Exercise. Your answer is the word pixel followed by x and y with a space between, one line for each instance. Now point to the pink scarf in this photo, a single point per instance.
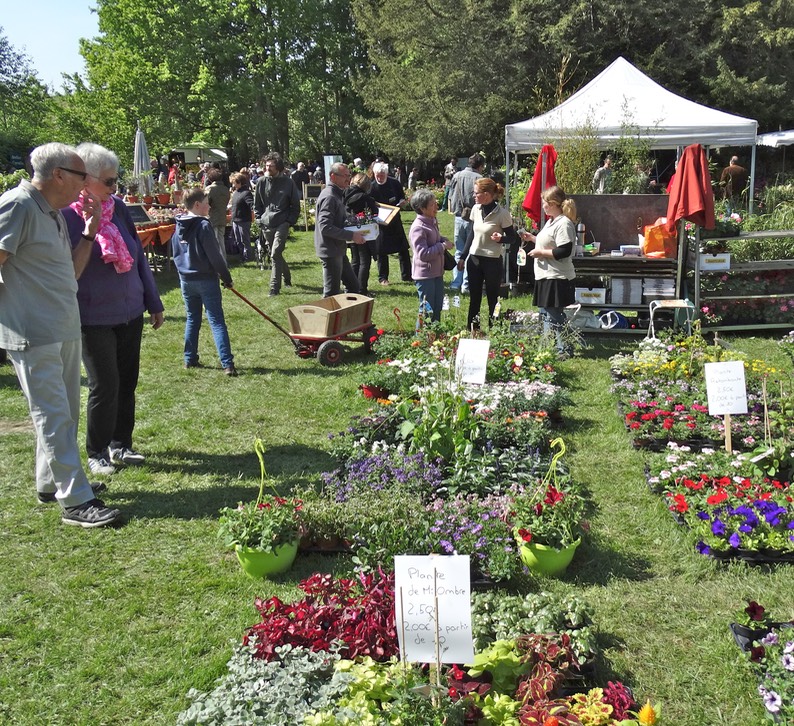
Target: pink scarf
pixel 111 243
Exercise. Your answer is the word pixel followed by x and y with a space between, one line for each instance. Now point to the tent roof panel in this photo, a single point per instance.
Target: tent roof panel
pixel 622 95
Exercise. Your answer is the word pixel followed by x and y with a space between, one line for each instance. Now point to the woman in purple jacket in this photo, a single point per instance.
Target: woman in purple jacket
pixel 114 291
pixel 428 246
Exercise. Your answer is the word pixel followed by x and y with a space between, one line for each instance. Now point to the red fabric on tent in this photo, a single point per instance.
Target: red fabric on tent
pixel 690 190
pixel 531 203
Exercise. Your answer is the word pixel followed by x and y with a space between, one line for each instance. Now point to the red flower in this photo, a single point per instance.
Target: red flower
pixel 719 496
pixel 538 509
pixel 680 505
pixel 755 611
pixel 553 495
pixel 525 534
pixel 667 424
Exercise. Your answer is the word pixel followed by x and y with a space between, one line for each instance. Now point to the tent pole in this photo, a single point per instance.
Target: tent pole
pixel 752 182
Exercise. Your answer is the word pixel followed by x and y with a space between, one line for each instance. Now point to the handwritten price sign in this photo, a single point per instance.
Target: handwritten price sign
pixel 726 388
pixel 433 608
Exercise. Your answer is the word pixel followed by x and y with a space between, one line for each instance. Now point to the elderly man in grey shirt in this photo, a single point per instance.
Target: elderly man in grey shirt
pixel 331 237
pixel 40 322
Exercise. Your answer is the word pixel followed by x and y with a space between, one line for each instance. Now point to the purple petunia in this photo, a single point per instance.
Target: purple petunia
pixel 703 548
pixel 734 540
pixel 703 515
pixel 787 661
pixel 718 528
pixel 772 702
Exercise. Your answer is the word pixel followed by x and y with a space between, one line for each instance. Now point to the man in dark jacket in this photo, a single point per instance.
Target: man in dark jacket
pixel 387 190
pixel 198 260
pixel 277 206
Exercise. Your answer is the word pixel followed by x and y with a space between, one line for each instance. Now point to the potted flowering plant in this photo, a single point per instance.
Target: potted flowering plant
pixel 547 520
pixel 263 533
pixel 774 657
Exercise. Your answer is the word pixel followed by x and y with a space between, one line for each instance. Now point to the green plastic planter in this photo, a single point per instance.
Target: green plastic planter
pixel 257 564
pixel 544 560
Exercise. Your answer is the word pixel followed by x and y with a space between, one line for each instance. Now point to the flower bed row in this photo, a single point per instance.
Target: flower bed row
pixel 330 659
pixel 446 468
pixel 662 396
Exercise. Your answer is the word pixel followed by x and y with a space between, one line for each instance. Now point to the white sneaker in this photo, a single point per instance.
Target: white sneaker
pixel 126 457
pixel 100 465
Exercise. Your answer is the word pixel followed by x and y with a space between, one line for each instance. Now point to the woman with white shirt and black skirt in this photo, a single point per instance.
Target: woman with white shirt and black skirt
pixel 493 227
pixel 554 271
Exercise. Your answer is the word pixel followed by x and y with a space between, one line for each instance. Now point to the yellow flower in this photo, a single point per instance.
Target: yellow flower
pixel 647 715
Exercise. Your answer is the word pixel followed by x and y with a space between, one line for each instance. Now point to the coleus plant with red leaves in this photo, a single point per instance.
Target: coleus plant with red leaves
pixel 354 616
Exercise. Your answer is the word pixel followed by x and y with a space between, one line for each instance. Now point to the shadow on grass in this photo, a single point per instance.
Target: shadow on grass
pixel 236 478
pixel 600 564
pixel 604 670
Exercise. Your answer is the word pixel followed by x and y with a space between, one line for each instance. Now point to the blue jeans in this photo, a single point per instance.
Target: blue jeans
pixel 555 321
pixel 432 291
pixel 464 231
pixel 207 293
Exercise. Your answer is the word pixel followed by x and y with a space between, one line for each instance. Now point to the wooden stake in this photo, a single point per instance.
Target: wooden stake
pixel 728 440
pixel 436 693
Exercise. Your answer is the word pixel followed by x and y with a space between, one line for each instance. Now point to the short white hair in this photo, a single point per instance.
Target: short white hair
pixel 45 159
pixel 380 168
pixel 97 158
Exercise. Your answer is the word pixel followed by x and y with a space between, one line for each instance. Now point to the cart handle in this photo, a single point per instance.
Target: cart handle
pixel 264 315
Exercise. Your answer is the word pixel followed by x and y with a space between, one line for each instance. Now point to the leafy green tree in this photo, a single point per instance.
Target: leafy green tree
pixel 23 100
pixel 753 65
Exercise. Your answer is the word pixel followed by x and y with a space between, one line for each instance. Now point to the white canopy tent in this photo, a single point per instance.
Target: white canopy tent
pixel 620 96
pixel 777 138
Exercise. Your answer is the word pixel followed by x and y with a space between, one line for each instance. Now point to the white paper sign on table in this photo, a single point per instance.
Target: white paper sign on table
pixel 419 583
pixel 726 388
pixel 471 361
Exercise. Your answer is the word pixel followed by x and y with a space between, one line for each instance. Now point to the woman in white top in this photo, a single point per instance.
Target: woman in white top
pixel 493 228
pixel 554 271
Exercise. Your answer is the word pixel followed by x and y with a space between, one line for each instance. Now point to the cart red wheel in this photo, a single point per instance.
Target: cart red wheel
pixel 330 353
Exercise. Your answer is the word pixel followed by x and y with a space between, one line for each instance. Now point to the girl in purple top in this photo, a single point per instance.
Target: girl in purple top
pixel 428 246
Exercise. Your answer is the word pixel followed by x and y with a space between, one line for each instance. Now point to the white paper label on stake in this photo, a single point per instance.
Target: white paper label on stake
pixel 420 584
pixel 725 387
pixel 472 360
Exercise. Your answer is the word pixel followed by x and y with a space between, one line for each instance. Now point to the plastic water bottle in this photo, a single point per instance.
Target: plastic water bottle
pixel 456 301
pixel 445 303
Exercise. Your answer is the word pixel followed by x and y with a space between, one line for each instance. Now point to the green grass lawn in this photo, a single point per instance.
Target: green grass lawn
pixel 114 626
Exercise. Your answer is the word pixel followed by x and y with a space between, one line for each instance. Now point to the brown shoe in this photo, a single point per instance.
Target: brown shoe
pixel 230 371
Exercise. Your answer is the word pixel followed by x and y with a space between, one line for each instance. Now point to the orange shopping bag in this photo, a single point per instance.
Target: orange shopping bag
pixel 658 241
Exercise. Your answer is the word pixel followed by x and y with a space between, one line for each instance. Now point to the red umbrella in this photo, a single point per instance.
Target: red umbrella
pixel 690 190
pixel 531 204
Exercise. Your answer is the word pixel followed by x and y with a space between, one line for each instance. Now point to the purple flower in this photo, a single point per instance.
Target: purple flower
pixel 703 515
pixel 703 548
pixel 772 701
pixel 718 528
pixel 788 661
pixel 789 648
pixel 734 540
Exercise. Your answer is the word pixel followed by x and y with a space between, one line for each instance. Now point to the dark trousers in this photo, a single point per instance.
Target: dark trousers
pixel 111 356
pixel 361 261
pixel 488 271
pixel 405 266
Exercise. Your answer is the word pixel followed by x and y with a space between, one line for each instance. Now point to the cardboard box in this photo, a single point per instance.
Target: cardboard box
pixel 590 295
